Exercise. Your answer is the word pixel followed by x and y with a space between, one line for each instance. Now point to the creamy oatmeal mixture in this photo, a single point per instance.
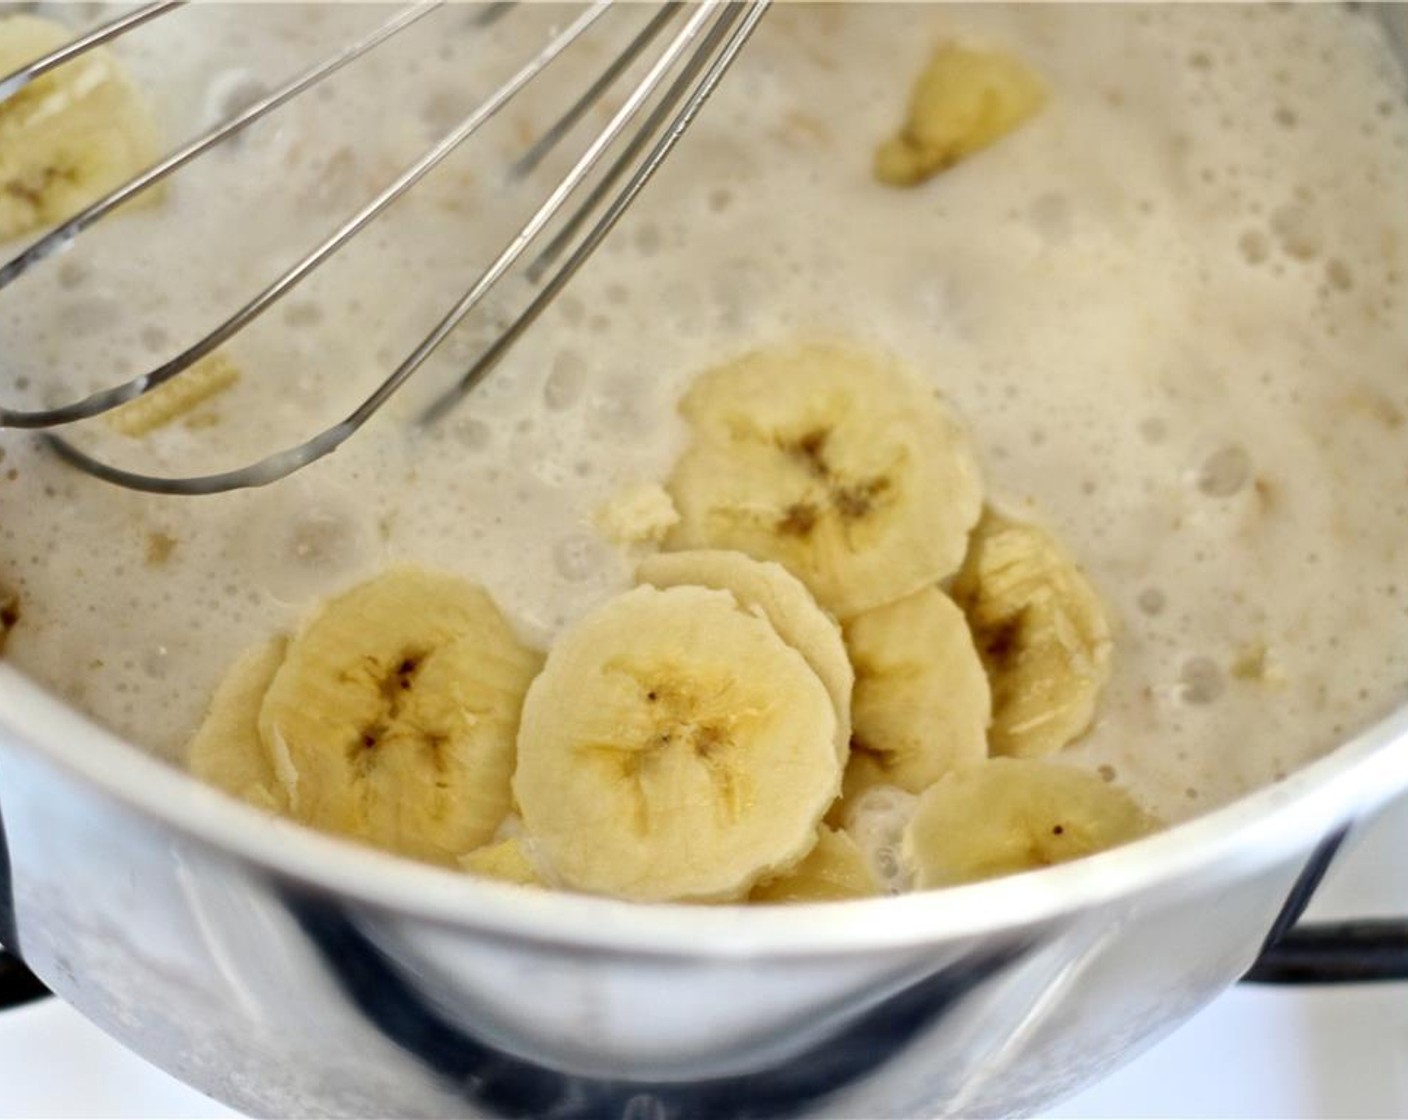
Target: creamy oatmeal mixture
pixel 1170 308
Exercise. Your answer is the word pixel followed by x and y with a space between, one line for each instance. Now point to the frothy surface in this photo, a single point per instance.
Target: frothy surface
pixel 1171 309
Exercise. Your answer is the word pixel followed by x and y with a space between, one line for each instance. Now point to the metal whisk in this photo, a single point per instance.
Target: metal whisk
pixel 706 38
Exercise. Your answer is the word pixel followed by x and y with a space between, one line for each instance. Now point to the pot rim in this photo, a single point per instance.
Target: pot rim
pixel 1267 825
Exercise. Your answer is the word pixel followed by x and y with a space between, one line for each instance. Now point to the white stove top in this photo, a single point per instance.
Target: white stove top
pixel 1255 1052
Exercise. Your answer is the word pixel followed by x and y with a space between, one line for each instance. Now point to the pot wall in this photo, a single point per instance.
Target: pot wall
pixel 277 998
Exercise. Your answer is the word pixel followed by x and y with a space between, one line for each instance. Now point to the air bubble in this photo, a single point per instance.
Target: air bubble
pixel 318 540
pixel 442 110
pixel 338 182
pixel 1153 429
pixel 97 313
pixel 233 92
pixel 649 239
pixel 1296 231
pixel 155 339
pixel 579 557
pixel 620 409
pixel 300 543
pixel 564 385
pixel 1200 681
pixel 1224 472
pixel 887 863
pixel 303 314
pixel 1254 246
pixel 1152 601
pixel 573 310
pixel 876 821
pixel 73 274
pixel 1050 216
pixel 157 662
pixel 472 434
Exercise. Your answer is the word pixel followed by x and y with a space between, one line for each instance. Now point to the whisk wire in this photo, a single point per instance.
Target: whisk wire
pixel 107 399
pixel 11 84
pixel 529 160
pixel 715 34
pixel 63 236
pixel 485 363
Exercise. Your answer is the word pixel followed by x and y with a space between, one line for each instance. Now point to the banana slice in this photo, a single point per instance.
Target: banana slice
pixel 69 137
pixel 1041 632
pixel 770 588
pixel 674 747
pixel 836 463
pixel 179 397
pixel 226 750
pixel 1011 815
pixel 964 100
pixel 505 860
pixel 392 719
pixel 922 702
pixel 835 869
pixel 640 514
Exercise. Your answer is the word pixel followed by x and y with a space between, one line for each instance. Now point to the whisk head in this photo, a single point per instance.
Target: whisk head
pixel 658 82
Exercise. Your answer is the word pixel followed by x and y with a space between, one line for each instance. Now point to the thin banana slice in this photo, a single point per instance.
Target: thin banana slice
pixel 674 747
pixel 1041 632
pixel 392 719
pixel 68 137
pixel 784 601
pixel 226 750
pixel 1011 815
pixel 835 869
pixel 964 100
pixel 505 860
pixel 922 702
pixel 834 462
pixel 177 398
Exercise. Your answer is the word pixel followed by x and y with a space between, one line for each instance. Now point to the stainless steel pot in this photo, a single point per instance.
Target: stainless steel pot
pixel 286 972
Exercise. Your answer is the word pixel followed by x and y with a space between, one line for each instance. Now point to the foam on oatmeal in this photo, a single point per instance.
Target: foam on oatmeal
pixel 1171 307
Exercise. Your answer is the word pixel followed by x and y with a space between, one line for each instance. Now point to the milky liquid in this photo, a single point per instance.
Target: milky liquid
pixel 1171 308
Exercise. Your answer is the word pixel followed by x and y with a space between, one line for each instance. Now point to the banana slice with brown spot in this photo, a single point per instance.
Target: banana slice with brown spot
pixel 784 601
pixel 1041 631
pixel 70 136
pixel 965 100
pixel 392 719
pixel 226 750
pixel 922 702
pixel 1009 815
pixel 834 462
pixel 833 870
pixel 674 747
